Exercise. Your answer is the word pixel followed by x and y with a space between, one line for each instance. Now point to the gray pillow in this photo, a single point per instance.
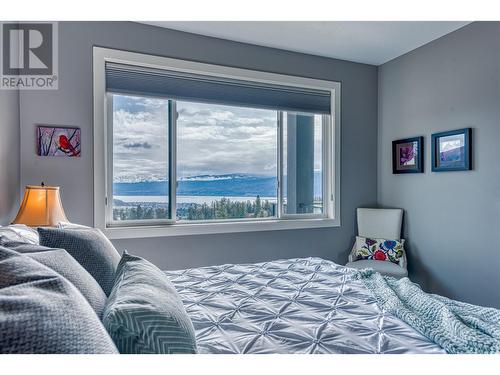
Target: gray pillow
pixel 42 312
pixel 144 314
pixel 65 265
pixel 90 248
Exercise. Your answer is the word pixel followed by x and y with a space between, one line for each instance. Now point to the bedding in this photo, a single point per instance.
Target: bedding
pixel 144 314
pixel 19 232
pixel 306 305
pixel 90 247
pixel 42 312
pixel 65 265
pixel 456 326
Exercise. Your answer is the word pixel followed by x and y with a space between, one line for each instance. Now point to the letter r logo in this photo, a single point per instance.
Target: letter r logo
pixel 27 49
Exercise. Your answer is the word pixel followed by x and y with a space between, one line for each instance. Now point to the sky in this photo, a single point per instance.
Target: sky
pixel 140 139
pixel 451 142
pixel 215 139
pixel 211 139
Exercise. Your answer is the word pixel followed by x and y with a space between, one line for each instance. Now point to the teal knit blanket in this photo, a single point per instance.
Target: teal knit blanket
pixel 457 327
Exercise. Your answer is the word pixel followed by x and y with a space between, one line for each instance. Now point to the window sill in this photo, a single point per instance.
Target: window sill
pixel 216 228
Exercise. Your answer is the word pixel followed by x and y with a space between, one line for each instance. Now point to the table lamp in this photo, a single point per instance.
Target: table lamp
pixel 41 207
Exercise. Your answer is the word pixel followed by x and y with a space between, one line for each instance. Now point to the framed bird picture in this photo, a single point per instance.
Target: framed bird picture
pixel 58 141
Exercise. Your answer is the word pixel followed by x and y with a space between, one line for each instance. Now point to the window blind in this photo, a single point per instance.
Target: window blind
pixel 135 80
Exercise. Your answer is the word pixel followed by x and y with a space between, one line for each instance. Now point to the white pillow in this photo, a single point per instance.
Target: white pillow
pixel 20 233
pixel 68 225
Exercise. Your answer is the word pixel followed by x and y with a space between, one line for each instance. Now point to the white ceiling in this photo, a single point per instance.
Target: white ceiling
pixel 370 42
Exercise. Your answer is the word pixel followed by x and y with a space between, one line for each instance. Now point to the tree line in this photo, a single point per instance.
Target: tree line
pixel 224 208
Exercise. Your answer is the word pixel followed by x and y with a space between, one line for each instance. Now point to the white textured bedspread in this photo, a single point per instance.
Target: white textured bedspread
pixel 290 306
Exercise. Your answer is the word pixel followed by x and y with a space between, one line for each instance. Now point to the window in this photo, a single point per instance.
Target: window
pixel 189 144
pixel 140 158
pixel 226 162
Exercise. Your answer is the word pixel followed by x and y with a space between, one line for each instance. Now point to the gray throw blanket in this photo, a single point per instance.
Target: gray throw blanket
pixel 457 327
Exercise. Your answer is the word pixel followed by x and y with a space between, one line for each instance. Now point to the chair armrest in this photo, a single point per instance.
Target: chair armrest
pixel 403 261
pixel 352 254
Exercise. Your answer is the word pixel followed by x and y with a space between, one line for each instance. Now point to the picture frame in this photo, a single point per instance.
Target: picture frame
pixel 408 155
pixel 452 150
pixel 58 141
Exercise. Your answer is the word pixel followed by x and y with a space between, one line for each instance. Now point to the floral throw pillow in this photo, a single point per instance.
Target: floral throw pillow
pixel 379 249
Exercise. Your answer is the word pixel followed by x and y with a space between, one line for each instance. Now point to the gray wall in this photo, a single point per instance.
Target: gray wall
pixel 72 105
pixel 452 219
pixel 9 155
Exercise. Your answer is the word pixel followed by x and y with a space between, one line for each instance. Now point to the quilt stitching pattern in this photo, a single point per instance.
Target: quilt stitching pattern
pixel 308 305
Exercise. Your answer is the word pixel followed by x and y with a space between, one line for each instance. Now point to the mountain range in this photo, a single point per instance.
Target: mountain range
pixel 229 185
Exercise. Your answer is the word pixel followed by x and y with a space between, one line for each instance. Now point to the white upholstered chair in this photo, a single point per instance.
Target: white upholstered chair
pixel 380 223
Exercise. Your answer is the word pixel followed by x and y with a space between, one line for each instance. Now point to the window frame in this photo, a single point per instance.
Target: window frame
pixel 326 164
pixel 103 154
pixel 109 171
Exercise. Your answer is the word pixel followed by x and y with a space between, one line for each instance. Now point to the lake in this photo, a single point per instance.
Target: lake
pixel 199 199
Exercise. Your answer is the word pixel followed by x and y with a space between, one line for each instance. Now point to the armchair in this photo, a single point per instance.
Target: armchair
pixel 380 223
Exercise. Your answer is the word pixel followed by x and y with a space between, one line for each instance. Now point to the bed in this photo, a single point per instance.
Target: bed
pixel 308 305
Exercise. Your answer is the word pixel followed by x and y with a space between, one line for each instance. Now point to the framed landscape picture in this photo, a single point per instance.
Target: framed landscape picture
pixel 451 150
pixel 407 155
pixel 58 141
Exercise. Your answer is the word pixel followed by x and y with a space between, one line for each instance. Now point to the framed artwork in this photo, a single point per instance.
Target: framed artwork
pixel 58 141
pixel 407 155
pixel 451 150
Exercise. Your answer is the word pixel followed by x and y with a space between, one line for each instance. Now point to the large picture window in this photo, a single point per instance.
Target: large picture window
pixel 186 146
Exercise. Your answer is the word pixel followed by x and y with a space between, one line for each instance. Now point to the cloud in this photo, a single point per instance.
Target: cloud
pixel 140 139
pixel 138 145
pixel 217 139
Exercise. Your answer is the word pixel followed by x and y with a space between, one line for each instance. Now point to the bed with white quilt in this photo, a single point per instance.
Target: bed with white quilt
pixel 306 305
pixel 126 304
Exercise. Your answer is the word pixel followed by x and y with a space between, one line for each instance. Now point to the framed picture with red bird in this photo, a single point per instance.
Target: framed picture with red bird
pixel 58 141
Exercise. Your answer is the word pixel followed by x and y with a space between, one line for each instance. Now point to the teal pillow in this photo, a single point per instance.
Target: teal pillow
pixel 144 314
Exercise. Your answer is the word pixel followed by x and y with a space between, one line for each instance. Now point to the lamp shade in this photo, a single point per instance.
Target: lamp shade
pixel 41 207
